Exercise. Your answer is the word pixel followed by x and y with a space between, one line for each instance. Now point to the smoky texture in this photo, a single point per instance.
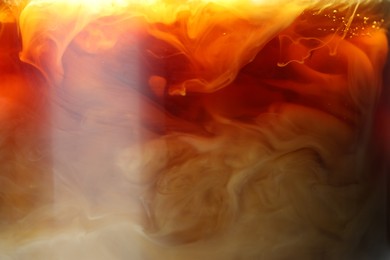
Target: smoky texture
pixel 214 130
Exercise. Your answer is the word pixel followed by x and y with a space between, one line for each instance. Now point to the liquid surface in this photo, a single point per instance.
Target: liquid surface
pixel 203 130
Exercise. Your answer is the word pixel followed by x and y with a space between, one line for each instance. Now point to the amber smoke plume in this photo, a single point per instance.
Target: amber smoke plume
pixel 220 129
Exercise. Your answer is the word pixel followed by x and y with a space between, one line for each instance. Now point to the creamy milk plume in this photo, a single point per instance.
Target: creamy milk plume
pixel 219 129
